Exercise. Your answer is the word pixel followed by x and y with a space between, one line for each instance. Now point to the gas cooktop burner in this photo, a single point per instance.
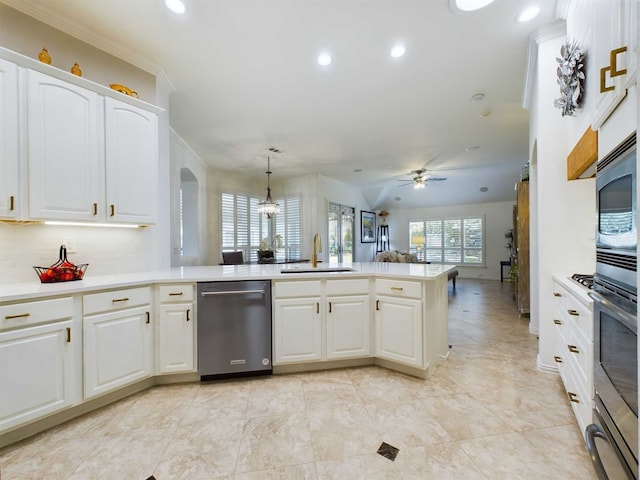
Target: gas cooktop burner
pixel 586 280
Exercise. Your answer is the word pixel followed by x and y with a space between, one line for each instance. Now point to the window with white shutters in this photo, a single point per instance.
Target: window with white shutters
pixel 458 241
pixel 243 228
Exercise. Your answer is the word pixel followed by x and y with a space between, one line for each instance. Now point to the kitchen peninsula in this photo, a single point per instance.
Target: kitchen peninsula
pixel 88 343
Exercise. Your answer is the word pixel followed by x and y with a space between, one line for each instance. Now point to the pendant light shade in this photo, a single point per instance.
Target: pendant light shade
pixel 268 207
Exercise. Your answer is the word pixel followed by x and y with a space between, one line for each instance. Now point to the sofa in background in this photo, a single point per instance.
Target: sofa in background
pixel 395 256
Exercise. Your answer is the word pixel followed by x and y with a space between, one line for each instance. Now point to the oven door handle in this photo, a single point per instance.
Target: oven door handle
pixel 629 320
pixel 591 432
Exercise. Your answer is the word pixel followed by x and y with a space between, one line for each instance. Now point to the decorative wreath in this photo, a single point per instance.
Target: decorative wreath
pixel 570 78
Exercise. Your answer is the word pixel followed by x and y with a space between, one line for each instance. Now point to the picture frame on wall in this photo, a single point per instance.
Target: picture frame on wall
pixel 367 227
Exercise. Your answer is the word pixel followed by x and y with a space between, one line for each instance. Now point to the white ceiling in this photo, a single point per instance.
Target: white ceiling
pixel 247 79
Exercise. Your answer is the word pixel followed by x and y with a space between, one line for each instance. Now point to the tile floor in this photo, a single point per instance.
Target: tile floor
pixel 485 413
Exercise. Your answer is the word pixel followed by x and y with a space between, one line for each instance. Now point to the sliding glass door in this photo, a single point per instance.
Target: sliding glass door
pixel 341 228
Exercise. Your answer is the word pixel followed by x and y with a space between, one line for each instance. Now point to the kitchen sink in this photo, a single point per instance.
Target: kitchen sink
pixel 317 270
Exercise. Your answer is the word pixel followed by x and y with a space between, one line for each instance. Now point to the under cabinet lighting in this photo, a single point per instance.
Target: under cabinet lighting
pixel 87 224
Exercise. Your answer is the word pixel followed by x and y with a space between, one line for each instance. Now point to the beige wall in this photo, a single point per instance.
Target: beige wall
pixel 25 35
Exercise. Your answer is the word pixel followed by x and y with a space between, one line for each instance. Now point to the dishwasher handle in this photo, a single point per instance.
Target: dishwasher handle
pixel 232 292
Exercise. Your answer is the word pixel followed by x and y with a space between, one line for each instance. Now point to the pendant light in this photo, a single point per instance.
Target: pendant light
pixel 268 207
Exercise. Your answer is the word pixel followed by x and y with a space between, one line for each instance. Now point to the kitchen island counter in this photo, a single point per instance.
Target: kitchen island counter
pixel 35 289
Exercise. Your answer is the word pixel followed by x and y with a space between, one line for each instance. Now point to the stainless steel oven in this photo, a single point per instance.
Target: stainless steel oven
pixel 613 437
pixel 616 233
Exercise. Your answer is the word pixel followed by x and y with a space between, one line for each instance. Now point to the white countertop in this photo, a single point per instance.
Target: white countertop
pixel 578 290
pixel 29 290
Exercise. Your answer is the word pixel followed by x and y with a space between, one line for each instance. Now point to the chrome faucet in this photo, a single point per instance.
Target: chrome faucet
pixel 317 247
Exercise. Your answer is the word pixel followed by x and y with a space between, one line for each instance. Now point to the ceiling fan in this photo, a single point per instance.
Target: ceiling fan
pixel 420 178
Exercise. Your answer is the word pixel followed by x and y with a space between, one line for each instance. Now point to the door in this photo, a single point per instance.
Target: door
pixel 297 330
pixel 36 372
pixel 66 163
pixel 399 330
pixel 341 228
pixel 117 350
pixel 131 151
pixel 9 143
pixel 175 336
pixel 348 326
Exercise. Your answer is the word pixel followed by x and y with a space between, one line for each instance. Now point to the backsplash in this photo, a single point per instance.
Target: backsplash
pixel 106 250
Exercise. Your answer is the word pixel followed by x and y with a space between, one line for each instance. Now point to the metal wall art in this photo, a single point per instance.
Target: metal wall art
pixel 570 78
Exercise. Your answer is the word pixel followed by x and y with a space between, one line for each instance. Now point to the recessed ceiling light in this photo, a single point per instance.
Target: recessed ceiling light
pixel 484 189
pixel 471 5
pixel 472 148
pixel 357 170
pixel 176 6
pixel 397 51
pixel 324 59
pixel 528 13
pixel 397 199
pixel 485 113
pixel 478 97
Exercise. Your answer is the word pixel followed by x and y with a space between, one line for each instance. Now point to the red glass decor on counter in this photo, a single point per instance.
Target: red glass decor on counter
pixel 62 270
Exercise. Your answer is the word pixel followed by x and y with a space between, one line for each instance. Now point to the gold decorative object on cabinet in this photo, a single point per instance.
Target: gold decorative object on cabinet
pixel 76 70
pixel 124 89
pixel 44 56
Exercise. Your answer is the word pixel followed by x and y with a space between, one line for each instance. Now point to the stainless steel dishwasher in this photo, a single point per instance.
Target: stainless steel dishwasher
pixel 234 328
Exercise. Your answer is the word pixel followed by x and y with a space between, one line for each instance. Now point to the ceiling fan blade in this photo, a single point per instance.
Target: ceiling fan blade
pixel 405 184
pixel 435 179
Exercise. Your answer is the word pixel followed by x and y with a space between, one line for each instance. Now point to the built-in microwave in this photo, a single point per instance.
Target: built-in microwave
pixel 616 232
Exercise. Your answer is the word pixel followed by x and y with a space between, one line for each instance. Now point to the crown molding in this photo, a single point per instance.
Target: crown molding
pixel 541 35
pixel 55 20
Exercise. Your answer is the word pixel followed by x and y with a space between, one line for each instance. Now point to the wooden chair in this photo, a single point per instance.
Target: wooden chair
pixel 232 258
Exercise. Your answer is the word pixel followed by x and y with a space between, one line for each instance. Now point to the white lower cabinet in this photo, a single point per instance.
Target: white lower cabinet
pixel 37 360
pixel 297 332
pixel 399 330
pixel 573 352
pixel 117 339
pixel 348 332
pixel 317 320
pixel 175 333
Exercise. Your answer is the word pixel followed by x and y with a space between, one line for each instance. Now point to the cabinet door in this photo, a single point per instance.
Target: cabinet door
pixel 615 27
pixel 9 140
pixel 66 165
pixel 175 338
pixel 131 162
pixel 348 326
pixel 117 350
pixel 297 335
pixel 36 372
pixel 399 330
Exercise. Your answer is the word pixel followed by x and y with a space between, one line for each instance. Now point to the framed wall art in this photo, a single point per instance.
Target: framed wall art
pixel 367 226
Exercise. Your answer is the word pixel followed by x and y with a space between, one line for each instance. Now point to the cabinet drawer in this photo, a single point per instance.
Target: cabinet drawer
pixel 310 288
pixel 175 293
pixel 31 313
pixel 351 286
pixel 399 288
pixel 116 300
pixel 581 353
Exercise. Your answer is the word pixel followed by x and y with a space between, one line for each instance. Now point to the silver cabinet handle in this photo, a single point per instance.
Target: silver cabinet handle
pixel 231 292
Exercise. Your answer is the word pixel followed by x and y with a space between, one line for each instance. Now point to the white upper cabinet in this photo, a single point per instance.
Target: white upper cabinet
pixel 9 145
pixel 66 166
pixel 615 54
pixel 131 149
pixel 71 150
